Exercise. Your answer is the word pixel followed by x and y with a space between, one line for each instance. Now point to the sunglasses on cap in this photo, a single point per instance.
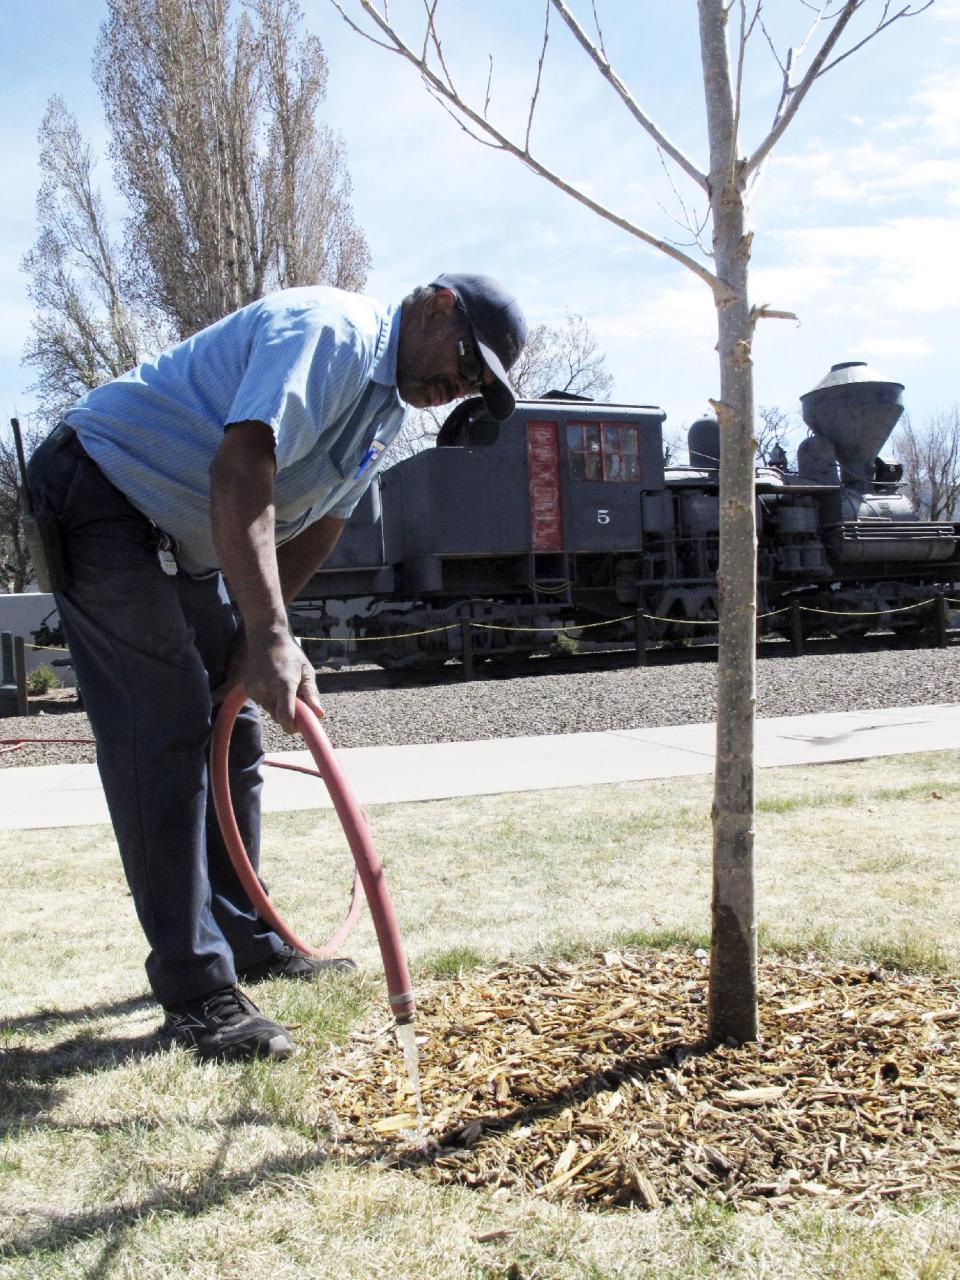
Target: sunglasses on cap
pixel 469 361
pixel 469 364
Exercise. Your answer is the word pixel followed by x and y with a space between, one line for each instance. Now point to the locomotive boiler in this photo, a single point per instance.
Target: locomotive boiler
pixel 566 518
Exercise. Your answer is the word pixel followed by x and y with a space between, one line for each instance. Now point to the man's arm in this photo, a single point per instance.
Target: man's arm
pixel 274 669
pixel 302 556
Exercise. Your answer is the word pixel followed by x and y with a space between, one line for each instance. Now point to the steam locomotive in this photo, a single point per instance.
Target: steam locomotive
pixel 566 518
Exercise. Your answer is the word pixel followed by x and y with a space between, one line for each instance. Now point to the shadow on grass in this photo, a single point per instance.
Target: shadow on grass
pixel 47 1019
pixel 633 1067
pixel 210 1188
pixel 30 1078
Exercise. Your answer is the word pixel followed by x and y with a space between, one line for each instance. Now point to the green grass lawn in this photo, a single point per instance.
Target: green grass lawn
pixel 119 1160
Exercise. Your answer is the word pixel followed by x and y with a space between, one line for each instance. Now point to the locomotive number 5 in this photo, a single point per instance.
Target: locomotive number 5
pixel 603 516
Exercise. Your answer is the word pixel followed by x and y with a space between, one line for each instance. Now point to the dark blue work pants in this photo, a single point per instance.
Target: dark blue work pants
pixel 147 649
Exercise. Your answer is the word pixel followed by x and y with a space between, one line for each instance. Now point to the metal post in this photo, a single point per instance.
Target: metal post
pixel 640 637
pixel 796 628
pixel 13 675
pixel 942 620
pixel 466 642
pixel 20 674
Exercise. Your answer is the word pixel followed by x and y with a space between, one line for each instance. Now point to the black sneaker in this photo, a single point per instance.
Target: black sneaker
pixel 225 1024
pixel 289 963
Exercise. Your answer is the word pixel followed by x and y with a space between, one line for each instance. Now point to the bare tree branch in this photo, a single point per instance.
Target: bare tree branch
pixel 793 95
pixel 361 31
pixel 431 10
pixel 536 87
pixel 746 29
pixel 502 142
pixel 768 313
pixel 908 11
pixel 605 69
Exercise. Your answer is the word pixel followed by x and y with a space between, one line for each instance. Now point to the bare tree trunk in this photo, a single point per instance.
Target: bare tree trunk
pixel 733 955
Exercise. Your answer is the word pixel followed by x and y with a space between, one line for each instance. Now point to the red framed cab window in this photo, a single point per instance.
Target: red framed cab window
pixel 600 452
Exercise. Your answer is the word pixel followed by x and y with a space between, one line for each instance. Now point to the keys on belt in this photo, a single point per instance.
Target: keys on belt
pixel 166 553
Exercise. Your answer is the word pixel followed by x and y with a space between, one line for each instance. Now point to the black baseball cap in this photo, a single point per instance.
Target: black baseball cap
pixel 498 328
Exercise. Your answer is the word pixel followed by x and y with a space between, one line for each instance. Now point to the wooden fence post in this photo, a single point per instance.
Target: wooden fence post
pixel 640 638
pixel 796 628
pixel 466 642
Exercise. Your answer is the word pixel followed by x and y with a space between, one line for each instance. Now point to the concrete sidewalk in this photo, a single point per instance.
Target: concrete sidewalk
pixel 70 795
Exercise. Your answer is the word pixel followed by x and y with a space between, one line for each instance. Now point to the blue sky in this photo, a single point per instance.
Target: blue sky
pixel 855 219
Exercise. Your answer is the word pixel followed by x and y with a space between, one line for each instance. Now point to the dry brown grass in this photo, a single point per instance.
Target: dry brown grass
pixel 118 1160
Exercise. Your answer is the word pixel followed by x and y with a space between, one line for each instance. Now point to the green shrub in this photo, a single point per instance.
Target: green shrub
pixel 41 680
pixel 566 644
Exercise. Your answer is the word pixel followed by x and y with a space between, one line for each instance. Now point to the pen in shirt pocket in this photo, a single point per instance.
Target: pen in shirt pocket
pixel 374 452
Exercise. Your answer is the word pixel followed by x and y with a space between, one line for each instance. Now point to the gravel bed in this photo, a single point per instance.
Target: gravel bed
pixel 370 708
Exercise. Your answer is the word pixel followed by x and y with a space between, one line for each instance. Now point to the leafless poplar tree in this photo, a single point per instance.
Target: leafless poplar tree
pixel 233 187
pixel 931 464
pixel 85 330
pixel 724 267
pixel 16 571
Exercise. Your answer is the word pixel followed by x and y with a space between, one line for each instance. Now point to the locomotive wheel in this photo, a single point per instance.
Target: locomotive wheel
pixel 855 632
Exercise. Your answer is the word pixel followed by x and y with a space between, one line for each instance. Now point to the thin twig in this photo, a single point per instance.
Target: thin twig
pixel 428 29
pixel 688 222
pixel 381 44
pixel 738 91
pixel 432 31
pixel 596 23
pixel 536 87
pixel 484 142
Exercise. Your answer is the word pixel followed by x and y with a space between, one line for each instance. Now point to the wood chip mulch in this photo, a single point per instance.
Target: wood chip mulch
pixel 590 1083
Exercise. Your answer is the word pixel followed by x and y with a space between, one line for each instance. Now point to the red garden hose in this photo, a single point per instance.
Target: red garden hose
pixel 355 826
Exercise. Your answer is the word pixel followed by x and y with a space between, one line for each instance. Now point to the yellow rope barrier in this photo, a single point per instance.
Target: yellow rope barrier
pixel 587 626
pixel 391 635
pixel 863 613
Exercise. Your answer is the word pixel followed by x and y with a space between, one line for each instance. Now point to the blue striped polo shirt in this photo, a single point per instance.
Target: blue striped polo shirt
pixel 318 365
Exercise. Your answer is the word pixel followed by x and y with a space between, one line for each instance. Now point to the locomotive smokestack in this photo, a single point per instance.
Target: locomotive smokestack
pixel 855 408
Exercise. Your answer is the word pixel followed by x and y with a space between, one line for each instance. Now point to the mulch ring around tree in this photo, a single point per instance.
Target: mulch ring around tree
pixel 591 1083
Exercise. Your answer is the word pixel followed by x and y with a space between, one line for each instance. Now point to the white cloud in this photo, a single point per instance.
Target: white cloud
pixel 939 100
pixel 901 347
pixel 670 313
pixel 866 173
pixel 905 265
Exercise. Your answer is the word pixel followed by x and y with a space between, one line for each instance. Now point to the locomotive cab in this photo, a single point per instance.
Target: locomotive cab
pixel 498 506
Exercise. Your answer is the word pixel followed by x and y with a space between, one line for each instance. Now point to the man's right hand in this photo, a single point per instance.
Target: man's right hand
pixel 274 672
